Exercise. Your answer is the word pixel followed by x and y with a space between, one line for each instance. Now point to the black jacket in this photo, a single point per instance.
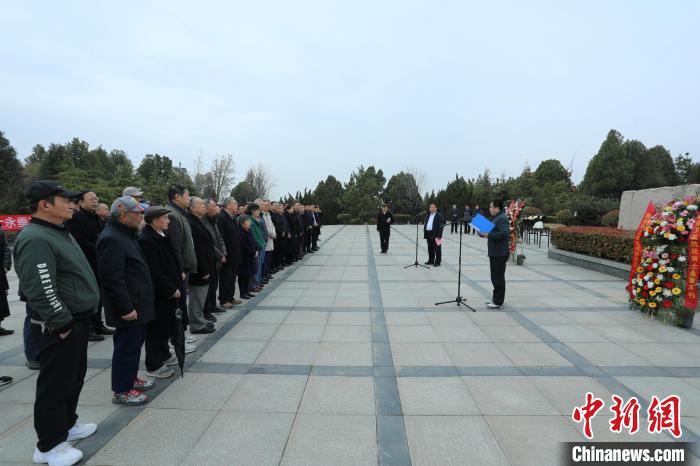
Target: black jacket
pixel 248 250
pixel 165 271
pixel 384 220
pixel 85 228
pixel 228 226
pixel 499 236
pixel 454 213
pixel 125 278
pixel 438 225
pixel 203 250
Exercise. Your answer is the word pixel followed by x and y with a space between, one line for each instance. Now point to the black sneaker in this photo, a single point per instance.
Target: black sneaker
pixel 209 317
pixel 218 310
pixel 4 380
pixel 5 332
pixel 33 364
pixel 202 331
pixel 95 337
pixel 103 330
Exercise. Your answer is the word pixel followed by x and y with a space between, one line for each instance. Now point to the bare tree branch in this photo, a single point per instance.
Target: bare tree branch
pixel 261 180
pixel 222 173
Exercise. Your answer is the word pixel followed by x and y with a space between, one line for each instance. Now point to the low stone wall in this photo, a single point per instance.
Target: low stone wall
pixel 634 203
pixel 615 269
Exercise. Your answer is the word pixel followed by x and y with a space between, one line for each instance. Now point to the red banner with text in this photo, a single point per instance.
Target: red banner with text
pixel 691 279
pixel 637 253
pixel 14 222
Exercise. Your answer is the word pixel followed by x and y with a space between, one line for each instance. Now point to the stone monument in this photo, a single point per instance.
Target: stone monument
pixel 633 203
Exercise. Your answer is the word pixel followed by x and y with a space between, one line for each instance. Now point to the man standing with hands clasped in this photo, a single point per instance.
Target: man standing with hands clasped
pixel 128 296
pixel 498 251
pixel 62 292
pixel 384 221
pixel 432 232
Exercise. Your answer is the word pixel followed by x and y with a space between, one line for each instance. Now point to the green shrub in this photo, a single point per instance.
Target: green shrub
pixel 367 215
pixel 563 216
pixel 355 221
pixel 344 218
pixel 529 211
pixel 609 243
pixel 401 219
pixel 610 219
pixel 588 210
pixel 372 221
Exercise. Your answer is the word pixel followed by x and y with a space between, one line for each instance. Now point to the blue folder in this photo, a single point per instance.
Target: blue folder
pixel 482 224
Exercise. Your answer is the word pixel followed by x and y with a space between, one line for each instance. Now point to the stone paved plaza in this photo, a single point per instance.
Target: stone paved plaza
pixel 345 359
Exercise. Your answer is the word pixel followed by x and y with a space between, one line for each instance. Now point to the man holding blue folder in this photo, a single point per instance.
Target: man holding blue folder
pixel 498 235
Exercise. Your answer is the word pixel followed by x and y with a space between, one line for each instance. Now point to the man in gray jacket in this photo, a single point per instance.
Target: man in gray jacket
pixel 498 251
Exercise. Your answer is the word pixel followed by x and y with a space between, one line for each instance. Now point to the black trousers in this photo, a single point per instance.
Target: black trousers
pixel 158 332
pixel 434 251
pixel 308 240
pixel 454 227
pixel 314 236
pixel 227 283
pixel 243 285
pixel 498 278
pixel 384 239
pixel 63 363
pixel 96 320
pixel 125 358
pixel 210 303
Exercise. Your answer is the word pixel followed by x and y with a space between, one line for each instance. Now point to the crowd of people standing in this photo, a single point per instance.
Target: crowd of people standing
pixel 139 264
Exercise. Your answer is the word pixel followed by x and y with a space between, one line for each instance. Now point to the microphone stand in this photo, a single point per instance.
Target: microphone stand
pixel 459 299
pixel 416 264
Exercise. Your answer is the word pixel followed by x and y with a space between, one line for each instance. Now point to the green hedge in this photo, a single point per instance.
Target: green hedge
pixel 401 219
pixel 344 218
pixel 611 218
pixel 372 221
pixel 607 243
pixel 355 221
pixel 529 211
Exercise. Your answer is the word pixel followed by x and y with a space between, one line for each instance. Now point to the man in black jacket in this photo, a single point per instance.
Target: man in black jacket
pixel 127 293
pixel 211 223
pixel 230 231
pixel 498 251
pixel 167 280
pixel 384 220
pixel 454 217
pixel 432 232
pixel 467 218
pixel 206 261
pixel 85 226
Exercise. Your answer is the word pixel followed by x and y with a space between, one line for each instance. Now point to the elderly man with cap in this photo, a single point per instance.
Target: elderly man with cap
pixel 168 283
pixel 85 226
pixel 127 294
pixel 134 192
pixel 61 290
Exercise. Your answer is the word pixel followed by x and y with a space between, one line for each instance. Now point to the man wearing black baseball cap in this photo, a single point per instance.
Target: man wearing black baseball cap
pixel 62 291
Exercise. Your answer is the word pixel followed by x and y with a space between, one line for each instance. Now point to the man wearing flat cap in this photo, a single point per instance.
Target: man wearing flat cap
pixel 169 290
pixel 62 292
pixel 134 192
pixel 127 295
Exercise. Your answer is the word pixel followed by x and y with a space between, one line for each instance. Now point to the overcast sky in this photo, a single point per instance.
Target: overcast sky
pixel 318 88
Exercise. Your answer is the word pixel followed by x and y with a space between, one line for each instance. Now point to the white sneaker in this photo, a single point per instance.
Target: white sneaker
pixel 171 362
pixel 190 348
pixel 190 339
pixel 493 306
pixel 62 454
pixel 163 372
pixel 80 431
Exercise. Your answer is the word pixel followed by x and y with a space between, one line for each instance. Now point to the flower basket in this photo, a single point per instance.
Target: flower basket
pixel 665 262
pixel 515 219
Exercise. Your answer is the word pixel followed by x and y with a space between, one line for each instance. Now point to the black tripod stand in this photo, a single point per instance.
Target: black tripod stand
pixel 416 264
pixel 459 299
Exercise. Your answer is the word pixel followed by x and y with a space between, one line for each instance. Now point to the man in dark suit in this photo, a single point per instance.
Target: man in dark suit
pixel 498 251
pixel 384 220
pixel 454 218
pixel 230 231
pixel 85 226
pixel 432 231
pixel 467 218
